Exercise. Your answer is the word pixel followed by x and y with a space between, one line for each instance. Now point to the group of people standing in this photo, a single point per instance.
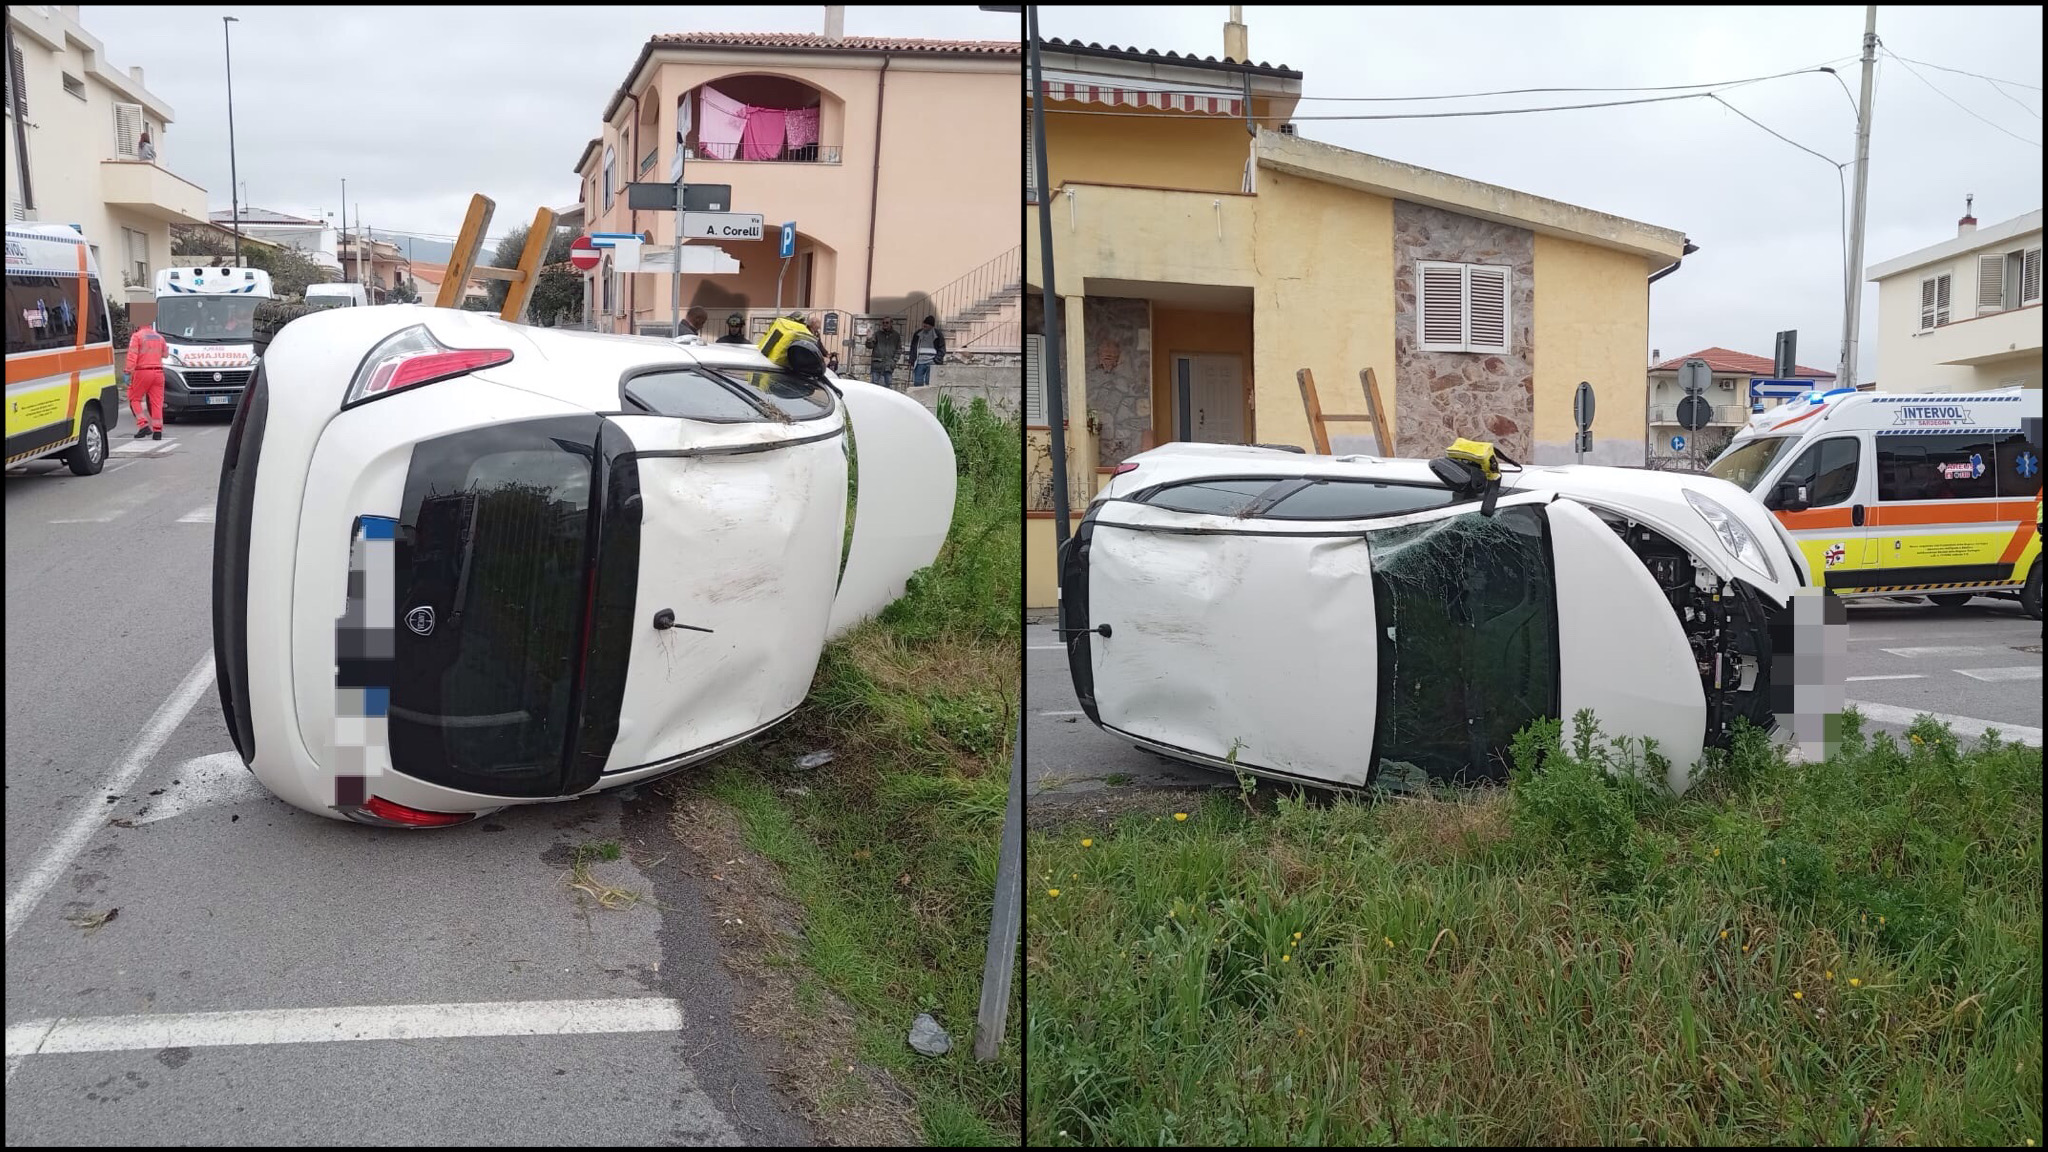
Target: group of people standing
pixel 885 345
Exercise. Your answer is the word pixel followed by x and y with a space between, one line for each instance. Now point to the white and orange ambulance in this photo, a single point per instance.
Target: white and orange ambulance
pixel 61 390
pixel 1890 494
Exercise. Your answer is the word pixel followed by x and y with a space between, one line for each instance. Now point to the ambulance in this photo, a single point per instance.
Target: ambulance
pixel 1889 494
pixel 61 390
pixel 208 317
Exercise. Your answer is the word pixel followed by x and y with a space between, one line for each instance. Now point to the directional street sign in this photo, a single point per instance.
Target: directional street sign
pixel 584 254
pixel 1678 443
pixel 722 226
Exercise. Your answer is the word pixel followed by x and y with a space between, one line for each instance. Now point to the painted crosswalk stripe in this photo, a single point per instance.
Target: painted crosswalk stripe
pixel 200 515
pixel 1945 650
pixel 1907 676
pixel 2020 672
pixel 1967 727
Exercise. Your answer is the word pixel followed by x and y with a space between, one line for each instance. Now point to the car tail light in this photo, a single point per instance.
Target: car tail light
pixel 377 810
pixel 411 357
pixel 1123 468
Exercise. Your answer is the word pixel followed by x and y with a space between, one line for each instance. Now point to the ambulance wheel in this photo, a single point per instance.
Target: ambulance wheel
pixel 2030 596
pixel 1951 599
pixel 89 455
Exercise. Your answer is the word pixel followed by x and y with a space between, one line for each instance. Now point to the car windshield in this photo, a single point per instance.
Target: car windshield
pixel 1745 464
pixel 207 319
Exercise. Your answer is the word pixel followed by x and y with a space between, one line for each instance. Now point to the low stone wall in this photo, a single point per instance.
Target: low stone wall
pixel 1002 386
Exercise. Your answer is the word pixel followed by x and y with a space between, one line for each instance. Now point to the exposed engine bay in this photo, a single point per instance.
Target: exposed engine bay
pixel 1726 622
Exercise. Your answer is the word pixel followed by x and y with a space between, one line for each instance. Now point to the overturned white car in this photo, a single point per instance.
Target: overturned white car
pixel 461 564
pixel 1346 620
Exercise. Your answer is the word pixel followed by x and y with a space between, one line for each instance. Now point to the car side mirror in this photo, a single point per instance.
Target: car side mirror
pixel 1791 498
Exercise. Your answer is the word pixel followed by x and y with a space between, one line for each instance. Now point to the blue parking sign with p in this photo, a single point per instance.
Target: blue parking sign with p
pixel 789 240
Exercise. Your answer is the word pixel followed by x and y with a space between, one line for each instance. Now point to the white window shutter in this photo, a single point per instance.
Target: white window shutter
pixel 1990 282
pixel 127 130
pixel 1034 379
pixel 1487 308
pixel 2030 277
pixel 16 76
pixel 1942 295
pixel 1439 306
pixel 1926 304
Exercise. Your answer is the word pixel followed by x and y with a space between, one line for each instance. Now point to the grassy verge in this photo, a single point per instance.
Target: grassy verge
pixel 1822 953
pixel 890 850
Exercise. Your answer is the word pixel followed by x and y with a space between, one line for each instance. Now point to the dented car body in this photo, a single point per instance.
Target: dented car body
pixel 1352 620
pixel 461 564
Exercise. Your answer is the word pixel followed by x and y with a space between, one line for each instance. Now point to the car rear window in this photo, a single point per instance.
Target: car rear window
pixel 1212 497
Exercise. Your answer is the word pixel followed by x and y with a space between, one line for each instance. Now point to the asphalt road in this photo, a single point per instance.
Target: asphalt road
pixel 219 968
pixel 1976 667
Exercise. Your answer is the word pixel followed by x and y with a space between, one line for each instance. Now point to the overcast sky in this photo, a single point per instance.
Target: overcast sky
pixel 1766 217
pixel 418 107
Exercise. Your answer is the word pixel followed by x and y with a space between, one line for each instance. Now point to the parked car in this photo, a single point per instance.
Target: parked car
pixel 461 564
pixel 1329 620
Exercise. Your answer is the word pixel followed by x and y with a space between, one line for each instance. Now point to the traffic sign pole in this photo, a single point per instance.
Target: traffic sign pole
pixel 675 291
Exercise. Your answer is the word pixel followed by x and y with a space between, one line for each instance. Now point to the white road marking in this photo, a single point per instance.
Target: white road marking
pixel 1909 676
pixel 147 1033
pixel 1048 647
pixel 50 865
pixel 200 515
pixel 1967 727
pixel 1076 712
pixel 2021 672
pixel 1947 650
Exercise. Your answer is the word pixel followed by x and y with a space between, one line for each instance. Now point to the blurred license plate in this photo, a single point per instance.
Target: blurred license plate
pixel 220 399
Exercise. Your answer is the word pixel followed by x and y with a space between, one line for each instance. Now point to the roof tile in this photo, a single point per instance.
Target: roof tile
pixel 1723 360
pixel 845 43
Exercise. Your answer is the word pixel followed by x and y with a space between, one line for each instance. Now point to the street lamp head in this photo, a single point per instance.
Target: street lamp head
pixel 231 19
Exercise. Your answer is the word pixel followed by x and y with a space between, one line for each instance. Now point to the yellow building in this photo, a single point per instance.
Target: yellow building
pixel 1201 262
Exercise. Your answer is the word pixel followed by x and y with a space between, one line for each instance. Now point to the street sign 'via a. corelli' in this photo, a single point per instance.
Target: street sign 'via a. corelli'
pixel 723 226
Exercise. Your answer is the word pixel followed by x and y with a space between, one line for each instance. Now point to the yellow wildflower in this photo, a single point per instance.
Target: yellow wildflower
pixel 1829 974
pixel 1287 958
pixel 1854 982
pixel 1724 933
pixel 1717 851
pixel 1745 947
pixel 1880 920
pixel 1297 935
pixel 1799 995
pixel 1781 859
pixel 1053 892
pixel 1073 875
pixel 1389 940
pixel 1917 740
pixel 1087 842
pixel 1180 815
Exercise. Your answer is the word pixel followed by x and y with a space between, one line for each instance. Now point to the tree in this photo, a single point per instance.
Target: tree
pixel 401 293
pixel 556 294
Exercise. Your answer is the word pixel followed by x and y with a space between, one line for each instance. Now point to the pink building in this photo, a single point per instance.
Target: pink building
pixel 896 158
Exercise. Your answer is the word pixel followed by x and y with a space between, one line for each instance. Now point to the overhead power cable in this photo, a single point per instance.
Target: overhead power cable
pixel 1956 102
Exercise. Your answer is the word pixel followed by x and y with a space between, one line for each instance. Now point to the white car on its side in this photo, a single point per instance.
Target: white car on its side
pixel 1329 620
pixel 461 564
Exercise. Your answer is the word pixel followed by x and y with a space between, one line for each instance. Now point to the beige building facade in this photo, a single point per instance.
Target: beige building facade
pixel 85 164
pixel 1965 314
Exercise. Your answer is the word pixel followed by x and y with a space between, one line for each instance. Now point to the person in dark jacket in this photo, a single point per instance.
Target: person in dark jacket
pixel 927 347
pixel 885 344
pixel 735 330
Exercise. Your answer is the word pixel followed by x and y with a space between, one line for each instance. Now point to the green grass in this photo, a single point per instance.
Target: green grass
pixel 893 850
pixel 1838 952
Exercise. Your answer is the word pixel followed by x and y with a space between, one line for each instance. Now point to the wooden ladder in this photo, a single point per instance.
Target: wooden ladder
pixel 1318 421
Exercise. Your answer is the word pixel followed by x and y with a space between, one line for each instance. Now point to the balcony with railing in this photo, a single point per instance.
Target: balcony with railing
pixel 760 119
pixel 144 188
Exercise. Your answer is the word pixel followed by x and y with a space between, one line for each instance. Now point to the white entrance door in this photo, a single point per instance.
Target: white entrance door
pixel 1209 388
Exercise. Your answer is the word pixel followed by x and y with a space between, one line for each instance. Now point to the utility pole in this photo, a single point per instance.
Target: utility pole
pixel 344 222
pixel 675 283
pixel 1054 379
pixel 1852 320
pixel 234 185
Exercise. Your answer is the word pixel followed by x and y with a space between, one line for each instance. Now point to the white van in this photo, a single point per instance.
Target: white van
pixel 208 318
pixel 61 391
pixel 337 296
pixel 1934 495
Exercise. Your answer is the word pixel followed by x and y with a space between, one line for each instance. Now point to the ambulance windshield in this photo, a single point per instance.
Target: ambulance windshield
pixel 1744 465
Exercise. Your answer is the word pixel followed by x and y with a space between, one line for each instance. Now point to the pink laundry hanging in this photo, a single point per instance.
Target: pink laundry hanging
pixel 801 125
pixel 763 139
pixel 722 123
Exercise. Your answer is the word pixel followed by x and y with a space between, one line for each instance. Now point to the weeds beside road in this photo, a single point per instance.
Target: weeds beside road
pixel 1820 953
pixel 890 849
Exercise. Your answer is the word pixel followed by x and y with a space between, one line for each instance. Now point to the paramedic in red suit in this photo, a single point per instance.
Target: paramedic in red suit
pixel 146 348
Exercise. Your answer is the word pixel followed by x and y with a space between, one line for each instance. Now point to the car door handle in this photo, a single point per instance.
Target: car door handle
pixel 1066 632
pixel 1856 516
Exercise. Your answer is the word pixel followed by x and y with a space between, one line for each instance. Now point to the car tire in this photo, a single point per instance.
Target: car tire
pixel 1951 599
pixel 2030 595
pixel 89 455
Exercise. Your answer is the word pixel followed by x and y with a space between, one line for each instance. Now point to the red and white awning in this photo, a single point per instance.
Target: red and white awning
pixel 1202 104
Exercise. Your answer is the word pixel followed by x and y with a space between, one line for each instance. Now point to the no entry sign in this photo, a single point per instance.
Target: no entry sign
pixel 583 254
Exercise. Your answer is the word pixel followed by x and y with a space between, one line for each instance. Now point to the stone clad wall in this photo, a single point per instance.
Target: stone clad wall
pixel 1118 335
pixel 1441 396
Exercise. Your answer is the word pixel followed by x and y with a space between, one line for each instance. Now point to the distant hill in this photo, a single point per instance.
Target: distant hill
pixel 431 251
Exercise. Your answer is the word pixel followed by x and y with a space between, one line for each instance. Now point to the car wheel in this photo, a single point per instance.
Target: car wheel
pixel 2030 596
pixel 1951 599
pixel 89 455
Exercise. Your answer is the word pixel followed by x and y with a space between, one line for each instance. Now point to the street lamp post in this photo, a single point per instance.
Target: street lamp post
pixel 234 188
